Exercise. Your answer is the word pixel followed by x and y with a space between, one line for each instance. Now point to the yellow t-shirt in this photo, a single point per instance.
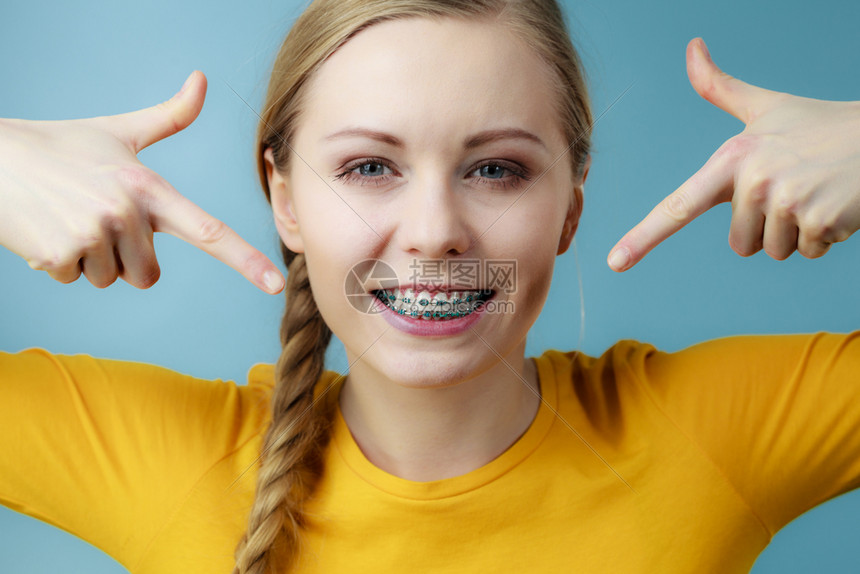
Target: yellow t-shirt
pixel 637 461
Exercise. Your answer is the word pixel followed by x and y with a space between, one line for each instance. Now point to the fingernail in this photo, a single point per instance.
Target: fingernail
pixel 619 258
pixel 187 83
pixel 705 50
pixel 273 282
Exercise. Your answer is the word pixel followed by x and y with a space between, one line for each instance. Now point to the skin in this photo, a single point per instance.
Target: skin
pixel 428 408
pixel 76 200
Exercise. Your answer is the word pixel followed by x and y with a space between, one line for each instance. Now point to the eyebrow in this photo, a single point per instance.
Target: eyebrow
pixel 489 136
pixel 366 133
pixel 474 141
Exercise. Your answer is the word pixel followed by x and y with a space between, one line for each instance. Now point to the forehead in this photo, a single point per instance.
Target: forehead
pixel 439 77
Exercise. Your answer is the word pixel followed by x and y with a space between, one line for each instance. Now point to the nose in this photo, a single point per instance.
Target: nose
pixel 434 221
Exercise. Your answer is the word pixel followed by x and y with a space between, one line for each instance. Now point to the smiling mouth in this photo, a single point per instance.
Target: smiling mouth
pixel 436 306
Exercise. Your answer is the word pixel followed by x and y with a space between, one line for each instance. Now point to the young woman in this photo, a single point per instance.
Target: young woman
pixel 444 449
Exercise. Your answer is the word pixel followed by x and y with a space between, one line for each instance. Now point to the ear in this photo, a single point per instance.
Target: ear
pixel 281 198
pixel 571 220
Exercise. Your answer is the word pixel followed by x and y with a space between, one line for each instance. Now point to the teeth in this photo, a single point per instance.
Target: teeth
pixel 426 305
pixel 429 307
pixel 446 298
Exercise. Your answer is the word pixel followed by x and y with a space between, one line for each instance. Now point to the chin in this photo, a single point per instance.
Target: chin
pixel 432 369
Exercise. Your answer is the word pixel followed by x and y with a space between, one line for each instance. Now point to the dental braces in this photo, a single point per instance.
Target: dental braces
pixel 467 306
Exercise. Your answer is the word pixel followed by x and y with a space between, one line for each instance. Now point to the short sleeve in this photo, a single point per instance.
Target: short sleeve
pixel 107 449
pixel 778 415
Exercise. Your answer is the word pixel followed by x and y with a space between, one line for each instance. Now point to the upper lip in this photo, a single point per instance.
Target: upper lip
pixel 434 288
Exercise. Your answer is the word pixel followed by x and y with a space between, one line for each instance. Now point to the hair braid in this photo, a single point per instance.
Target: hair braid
pixel 293 445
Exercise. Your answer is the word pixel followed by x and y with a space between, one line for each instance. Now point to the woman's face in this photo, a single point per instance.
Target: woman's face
pixel 433 146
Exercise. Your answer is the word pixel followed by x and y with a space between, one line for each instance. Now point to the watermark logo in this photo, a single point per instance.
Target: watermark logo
pixel 364 277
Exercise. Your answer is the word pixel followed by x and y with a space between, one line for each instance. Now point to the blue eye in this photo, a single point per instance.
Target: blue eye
pixel 368 171
pixel 499 174
pixel 371 169
pixel 491 171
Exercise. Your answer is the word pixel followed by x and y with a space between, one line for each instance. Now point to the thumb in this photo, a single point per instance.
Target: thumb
pixel 744 101
pixel 143 128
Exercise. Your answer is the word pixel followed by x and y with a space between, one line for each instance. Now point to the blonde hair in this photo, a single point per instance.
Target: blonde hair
pixel 292 450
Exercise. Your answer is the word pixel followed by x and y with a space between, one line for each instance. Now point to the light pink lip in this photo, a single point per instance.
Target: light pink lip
pixel 428 328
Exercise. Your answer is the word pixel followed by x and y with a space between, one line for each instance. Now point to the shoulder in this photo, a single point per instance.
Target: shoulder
pixel 262 377
pixel 129 389
pixel 710 367
pixel 746 349
pixel 623 352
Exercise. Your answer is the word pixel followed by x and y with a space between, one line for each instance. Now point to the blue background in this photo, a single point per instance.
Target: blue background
pixel 99 57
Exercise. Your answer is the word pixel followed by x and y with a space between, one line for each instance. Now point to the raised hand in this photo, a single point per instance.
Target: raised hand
pixel 792 175
pixel 75 199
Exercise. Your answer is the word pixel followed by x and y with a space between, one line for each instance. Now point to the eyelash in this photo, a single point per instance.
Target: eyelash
pixel 349 176
pixel 517 174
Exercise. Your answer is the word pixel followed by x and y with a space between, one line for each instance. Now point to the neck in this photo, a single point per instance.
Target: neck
pixel 425 434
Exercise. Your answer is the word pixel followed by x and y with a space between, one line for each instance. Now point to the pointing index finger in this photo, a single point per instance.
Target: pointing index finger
pixel 175 214
pixel 711 185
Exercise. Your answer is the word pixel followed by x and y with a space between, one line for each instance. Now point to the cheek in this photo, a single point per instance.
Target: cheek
pixel 541 228
pixel 538 227
pixel 335 239
pixel 330 254
pixel 328 223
